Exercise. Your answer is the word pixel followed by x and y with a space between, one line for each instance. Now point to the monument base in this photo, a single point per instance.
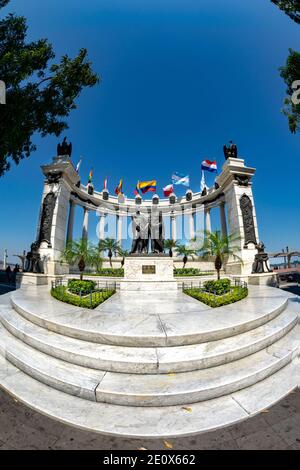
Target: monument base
pixel 148 273
pixel 263 279
pixel 34 279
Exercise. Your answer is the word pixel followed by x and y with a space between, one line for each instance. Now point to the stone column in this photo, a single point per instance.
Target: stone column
pixel 207 220
pixel 223 219
pixel 71 221
pixel 119 228
pixel 102 226
pixel 85 227
pixel 192 225
pixel 236 182
pixel 173 227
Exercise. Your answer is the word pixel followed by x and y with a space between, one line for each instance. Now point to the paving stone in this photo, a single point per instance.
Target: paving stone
pixel 289 429
pixel 261 440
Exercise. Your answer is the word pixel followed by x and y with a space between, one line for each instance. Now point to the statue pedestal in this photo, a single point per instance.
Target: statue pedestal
pixel 148 273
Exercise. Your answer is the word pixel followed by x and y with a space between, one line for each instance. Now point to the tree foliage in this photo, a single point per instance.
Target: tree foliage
pixel 290 7
pixel 40 92
pixel 291 71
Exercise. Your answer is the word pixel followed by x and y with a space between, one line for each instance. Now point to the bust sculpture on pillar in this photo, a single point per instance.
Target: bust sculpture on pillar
pixel 230 151
pixel 64 148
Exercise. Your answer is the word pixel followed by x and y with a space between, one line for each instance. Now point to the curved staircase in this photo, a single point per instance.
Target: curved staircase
pixel 158 365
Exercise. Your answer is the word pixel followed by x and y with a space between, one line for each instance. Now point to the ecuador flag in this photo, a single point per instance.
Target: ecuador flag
pixel 146 186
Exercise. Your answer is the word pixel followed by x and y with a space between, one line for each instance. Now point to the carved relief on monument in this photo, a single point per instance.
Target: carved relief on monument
pixel 242 180
pixel 53 177
pixel 248 220
pixel 46 218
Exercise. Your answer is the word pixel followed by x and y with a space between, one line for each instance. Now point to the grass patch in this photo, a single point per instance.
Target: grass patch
pixel 208 298
pixel 91 300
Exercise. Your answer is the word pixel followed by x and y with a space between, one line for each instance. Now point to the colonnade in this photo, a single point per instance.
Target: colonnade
pixel 122 216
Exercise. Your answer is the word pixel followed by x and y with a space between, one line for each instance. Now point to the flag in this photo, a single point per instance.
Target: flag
pixel 208 165
pixel 202 184
pixel 105 183
pixel 146 186
pixel 118 189
pixel 137 189
pixel 168 190
pixel 78 165
pixel 178 178
pixel 90 178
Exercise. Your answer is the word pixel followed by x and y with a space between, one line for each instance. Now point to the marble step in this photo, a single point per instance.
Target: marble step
pixel 149 389
pixel 150 321
pixel 199 385
pixel 71 379
pixel 151 422
pixel 148 360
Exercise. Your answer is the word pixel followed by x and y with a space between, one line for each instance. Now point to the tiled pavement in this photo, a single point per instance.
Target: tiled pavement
pixel 276 428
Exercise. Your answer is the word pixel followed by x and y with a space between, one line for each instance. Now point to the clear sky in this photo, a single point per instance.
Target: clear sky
pixel 180 78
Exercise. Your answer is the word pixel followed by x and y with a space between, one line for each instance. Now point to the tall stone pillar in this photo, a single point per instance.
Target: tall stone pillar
pixel 173 227
pixel 119 228
pixel 60 179
pixel 223 219
pixel 207 220
pixel 102 226
pixel 191 225
pixel 85 226
pixel 235 180
pixel 71 221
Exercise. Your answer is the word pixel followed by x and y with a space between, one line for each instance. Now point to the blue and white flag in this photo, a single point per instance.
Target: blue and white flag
pixel 78 165
pixel 178 178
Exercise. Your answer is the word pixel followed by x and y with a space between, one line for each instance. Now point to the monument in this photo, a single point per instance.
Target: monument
pixel 144 270
pixel 64 193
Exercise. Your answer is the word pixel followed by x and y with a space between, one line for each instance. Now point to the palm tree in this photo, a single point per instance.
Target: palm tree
pixel 220 246
pixel 185 251
pixel 111 246
pixel 80 252
pixel 124 254
pixel 170 245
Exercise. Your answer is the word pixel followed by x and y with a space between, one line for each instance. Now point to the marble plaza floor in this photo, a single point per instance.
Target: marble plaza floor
pixel 275 428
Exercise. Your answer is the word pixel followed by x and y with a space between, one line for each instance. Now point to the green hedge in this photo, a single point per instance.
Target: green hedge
pixel 236 294
pixel 109 272
pixel 190 272
pixel 90 301
pixel 85 287
pixel 218 287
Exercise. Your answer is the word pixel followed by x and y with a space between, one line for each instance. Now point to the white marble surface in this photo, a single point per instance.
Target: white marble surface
pixel 156 422
pixel 271 312
pixel 161 281
pixel 133 319
pixel 148 360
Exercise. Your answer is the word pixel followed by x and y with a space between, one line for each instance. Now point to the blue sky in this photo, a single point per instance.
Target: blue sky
pixel 179 79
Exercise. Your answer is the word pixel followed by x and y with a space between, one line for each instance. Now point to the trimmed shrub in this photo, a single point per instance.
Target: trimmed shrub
pixel 190 272
pixel 218 287
pixel 236 294
pixel 90 301
pixel 84 287
pixel 109 272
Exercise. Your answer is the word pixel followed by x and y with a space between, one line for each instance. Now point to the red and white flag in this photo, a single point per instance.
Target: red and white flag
pixel 105 183
pixel 168 190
